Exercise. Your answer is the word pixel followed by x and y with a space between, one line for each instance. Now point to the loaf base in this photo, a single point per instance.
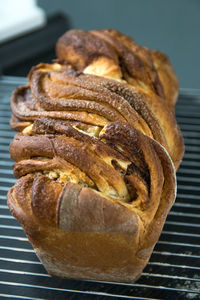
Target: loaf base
pixel 56 268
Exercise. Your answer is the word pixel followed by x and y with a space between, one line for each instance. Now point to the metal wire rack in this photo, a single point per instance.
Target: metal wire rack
pixel 174 268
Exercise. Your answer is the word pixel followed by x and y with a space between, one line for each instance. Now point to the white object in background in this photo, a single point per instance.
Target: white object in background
pixel 18 17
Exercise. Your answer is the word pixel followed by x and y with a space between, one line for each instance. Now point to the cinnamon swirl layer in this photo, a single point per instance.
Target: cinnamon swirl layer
pixel 112 54
pixel 55 91
pixel 122 165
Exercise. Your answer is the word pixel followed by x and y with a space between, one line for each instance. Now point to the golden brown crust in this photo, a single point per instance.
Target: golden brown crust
pixel 97 100
pixel 148 72
pixel 90 210
pixel 101 214
pixel 95 180
pixel 122 59
pixel 80 48
pixel 167 77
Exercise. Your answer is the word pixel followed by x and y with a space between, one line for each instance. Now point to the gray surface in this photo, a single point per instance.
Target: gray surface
pixel 171 26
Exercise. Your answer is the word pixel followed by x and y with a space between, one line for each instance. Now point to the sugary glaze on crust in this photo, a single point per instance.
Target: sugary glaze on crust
pixel 95 178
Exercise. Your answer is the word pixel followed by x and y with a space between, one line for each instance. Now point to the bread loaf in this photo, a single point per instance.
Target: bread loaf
pixel 96 155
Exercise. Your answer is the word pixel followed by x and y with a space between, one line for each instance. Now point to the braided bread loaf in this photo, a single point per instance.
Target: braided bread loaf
pixel 96 154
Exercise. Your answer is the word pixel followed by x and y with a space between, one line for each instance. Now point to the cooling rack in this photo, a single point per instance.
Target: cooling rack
pixel 174 268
